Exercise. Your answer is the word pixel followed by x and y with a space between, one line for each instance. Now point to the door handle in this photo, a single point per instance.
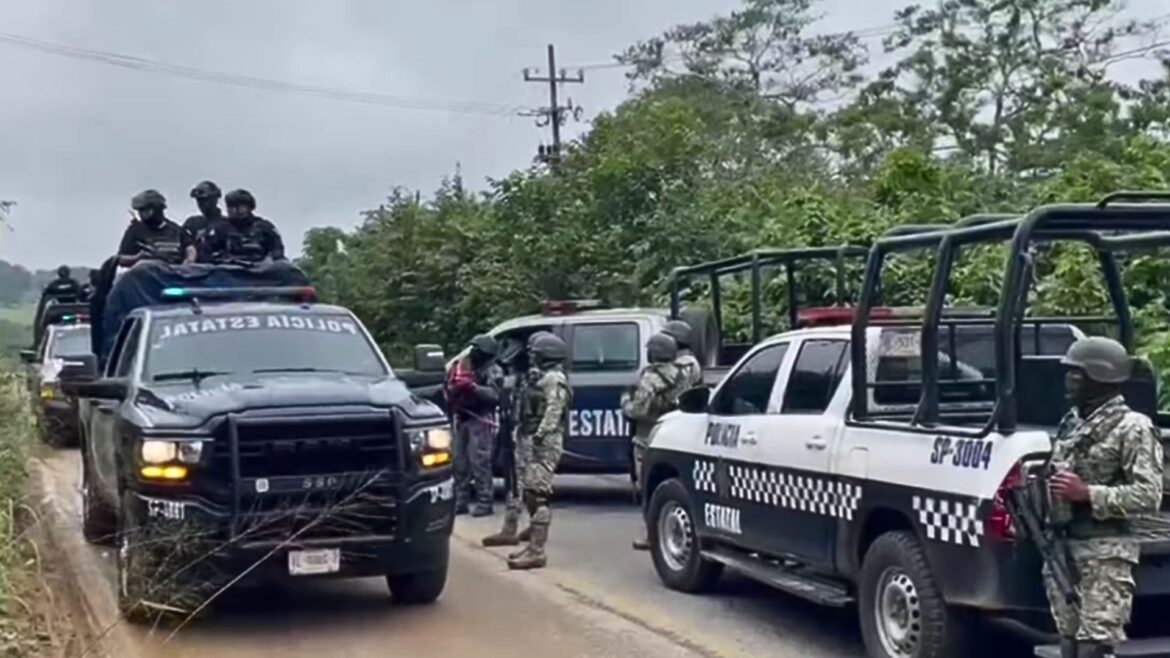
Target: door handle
pixel 816 443
pixel 749 439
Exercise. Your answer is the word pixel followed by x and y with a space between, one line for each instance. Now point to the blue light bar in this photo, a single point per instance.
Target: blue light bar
pixel 174 292
pixel 298 293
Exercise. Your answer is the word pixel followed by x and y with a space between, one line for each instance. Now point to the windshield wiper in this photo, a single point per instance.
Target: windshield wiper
pixel 194 374
pixel 305 369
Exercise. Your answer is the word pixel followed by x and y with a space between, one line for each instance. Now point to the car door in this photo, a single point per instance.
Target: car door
pixel 794 454
pixel 605 358
pixel 105 426
pixel 737 422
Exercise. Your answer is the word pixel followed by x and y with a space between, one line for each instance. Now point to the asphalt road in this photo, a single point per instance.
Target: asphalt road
pixel 598 597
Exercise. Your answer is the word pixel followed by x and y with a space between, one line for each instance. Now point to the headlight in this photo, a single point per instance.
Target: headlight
pixel 162 451
pixel 436 438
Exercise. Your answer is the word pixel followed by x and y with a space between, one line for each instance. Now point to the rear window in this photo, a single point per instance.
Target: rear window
pixel 606 347
pixel 70 342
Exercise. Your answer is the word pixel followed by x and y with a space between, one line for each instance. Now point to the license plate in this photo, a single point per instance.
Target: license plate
pixel 309 563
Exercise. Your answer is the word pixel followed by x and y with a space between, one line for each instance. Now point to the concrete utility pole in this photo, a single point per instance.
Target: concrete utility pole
pixel 554 114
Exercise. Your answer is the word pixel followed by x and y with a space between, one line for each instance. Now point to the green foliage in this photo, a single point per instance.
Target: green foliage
pixel 726 145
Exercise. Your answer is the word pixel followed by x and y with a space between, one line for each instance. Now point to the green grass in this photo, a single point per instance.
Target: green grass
pixel 19 314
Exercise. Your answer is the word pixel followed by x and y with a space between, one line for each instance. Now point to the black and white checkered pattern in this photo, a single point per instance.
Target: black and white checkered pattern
pixel 799 492
pixel 949 521
pixel 703 475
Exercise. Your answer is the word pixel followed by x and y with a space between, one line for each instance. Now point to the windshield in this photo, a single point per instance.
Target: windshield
pixel 70 342
pixel 195 347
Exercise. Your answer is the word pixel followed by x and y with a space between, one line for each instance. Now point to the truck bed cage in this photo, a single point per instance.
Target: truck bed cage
pixel 1120 222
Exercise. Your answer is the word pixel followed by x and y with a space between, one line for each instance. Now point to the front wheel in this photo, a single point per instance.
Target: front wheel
pixel 674 544
pixel 903 614
pixel 99 523
pixel 418 588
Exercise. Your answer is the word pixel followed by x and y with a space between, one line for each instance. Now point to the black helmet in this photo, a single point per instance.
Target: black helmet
pixel 680 331
pixel 485 344
pixel 532 338
pixel 661 348
pixel 548 349
pixel 240 198
pixel 1104 360
pixel 64 272
pixel 206 190
pixel 148 199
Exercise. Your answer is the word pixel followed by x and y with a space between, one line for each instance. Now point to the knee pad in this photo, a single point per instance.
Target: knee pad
pixel 543 515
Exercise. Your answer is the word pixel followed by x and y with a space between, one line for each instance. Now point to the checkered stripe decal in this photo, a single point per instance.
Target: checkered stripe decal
pixel 703 475
pixel 798 492
pixel 949 521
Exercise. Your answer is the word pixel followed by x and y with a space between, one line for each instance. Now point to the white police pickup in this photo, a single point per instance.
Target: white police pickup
pixel 773 478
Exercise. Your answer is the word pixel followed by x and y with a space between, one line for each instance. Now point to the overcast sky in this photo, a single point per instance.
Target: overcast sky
pixel 79 138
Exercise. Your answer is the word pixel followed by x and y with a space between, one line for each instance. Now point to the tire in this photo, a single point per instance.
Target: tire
pixel 99 523
pixel 676 553
pixel 704 335
pixel 132 559
pixel 896 580
pixel 420 588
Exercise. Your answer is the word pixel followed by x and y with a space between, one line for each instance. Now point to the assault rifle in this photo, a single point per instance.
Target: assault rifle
pixel 1027 503
pixel 506 442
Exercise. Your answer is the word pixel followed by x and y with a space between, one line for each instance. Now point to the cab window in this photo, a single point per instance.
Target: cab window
pixel 129 351
pixel 815 376
pixel 748 389
pixel 606 347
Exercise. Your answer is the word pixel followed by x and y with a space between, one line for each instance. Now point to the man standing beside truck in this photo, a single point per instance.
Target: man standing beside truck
pixel 688 365
pixel 1108 469
pixel 473 392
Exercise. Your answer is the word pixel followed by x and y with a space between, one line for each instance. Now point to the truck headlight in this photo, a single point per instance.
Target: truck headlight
pixel 432 446
pixel 163 451
pixel 48 391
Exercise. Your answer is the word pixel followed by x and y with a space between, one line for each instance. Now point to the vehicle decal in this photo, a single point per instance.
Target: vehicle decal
pixel 963 453
pixel 806 493
pixel 949 520
pixel 187 396
pixel 601 423
pixel 443 491
pixel 725 435
pixel 703 476
pixel 165 509
pixel 168 329
pixel 721 517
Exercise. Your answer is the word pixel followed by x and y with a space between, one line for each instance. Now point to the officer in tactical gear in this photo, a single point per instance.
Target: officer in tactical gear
pixel 88 288
pixel 686 362
pixel 153 236
pixel 546 413
pixel 1107 462
pixel 206 195
pixel 655 394
pixel 473 397
pixel 64 289
pixel 244 235
pixel 510 535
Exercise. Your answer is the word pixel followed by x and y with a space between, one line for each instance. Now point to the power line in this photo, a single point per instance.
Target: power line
pixel 554 114
pixel 252 82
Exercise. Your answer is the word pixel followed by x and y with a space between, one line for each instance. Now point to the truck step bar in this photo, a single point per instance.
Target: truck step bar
pixel 1147 647
pixel 786 579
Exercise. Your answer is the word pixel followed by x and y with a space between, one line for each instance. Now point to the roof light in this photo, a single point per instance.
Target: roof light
pixel 568 306
pixel 834 315
pixel 296 293
pixel 174 292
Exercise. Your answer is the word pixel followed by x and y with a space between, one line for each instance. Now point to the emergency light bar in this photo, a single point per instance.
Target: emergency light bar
pixel 568 306
pixel 293 293
pixel 837 315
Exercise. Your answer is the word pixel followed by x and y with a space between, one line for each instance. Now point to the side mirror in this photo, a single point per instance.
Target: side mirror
pixel 695 400
pixel 28 356
pixel 99 389
pixel 429 358
pixel 80 368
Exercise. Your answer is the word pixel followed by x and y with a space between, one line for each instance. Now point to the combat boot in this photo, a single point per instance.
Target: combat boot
pixel 532 557
pixel 481 510
pixel 507 535
pixel 642 543
pixel 1068 647
pixel 1094 650
pixel 525 534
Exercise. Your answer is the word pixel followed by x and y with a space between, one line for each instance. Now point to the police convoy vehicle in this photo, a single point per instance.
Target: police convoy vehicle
pixel 868 462
pixel 62 344
pixel 248 432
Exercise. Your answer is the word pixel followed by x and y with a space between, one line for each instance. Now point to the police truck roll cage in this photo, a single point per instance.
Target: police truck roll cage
pixel 1119 222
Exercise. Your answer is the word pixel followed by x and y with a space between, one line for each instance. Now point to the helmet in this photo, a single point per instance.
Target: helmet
pixel 661 348
pixel 149 199
pixel 240 198
pixel 549 349
pixel 1103 359
pixel 485 344
pixel 206 190
pixel 532 338
pixel 678 330
pixel 64 271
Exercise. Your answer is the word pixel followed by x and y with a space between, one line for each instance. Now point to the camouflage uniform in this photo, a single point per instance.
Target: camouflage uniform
pixel 691 373
pixel 546 411
pixel 1117 452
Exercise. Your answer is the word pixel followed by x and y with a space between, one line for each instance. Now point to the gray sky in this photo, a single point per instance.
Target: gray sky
pixel 80 138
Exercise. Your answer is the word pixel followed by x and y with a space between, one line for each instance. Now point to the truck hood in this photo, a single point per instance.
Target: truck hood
pixel 184 403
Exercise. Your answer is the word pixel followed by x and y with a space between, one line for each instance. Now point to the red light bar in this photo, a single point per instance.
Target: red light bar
pixel 569 306
pixel 836 315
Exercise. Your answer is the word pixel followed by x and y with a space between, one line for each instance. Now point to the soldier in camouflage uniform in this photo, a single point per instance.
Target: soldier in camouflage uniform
pixel 1108 463
pixel 546 413
pixel 521 455
pixel 687 363
pixel 655 394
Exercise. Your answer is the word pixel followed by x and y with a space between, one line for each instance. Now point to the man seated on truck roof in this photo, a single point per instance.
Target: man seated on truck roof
pixel 243 235
pixel 65 289
pixel 154 237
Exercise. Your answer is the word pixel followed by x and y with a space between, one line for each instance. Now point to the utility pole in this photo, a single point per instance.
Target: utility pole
pixel 554 114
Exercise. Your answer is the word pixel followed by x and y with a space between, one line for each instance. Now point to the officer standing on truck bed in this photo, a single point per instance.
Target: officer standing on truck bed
pixel 655 394
pixel 521 453
pixel 64 288
pixel 206 195
pixel 243 235
pixel 473 394
pixel 547 412
pixel 1108 469
pixel 687 363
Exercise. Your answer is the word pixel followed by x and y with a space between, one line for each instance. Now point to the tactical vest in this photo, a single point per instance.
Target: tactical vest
pixel 533 406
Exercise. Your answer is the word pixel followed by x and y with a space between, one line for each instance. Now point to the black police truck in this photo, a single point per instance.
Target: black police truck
pixel 234 428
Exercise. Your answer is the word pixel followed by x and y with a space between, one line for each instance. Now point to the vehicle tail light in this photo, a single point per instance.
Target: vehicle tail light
pixel 999 522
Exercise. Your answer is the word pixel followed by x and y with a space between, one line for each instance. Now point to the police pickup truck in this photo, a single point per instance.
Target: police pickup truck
pixel 61 345
pixel 251 432
pixel 870 463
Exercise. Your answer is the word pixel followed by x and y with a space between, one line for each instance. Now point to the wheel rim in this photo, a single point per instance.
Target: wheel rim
pixel 898 613
pixel 675 536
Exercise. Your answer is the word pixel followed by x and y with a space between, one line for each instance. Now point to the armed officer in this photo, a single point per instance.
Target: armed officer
pixel 474 397
pixel 655 394
pixel 1108 469
pixel 521 453
pixel 686 362
pixel 154 236
pixel 207 195
pixel 64 288
pixel 547 411
pixel 244 235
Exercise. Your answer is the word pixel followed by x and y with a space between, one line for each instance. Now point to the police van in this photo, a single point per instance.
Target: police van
pixel 868 462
